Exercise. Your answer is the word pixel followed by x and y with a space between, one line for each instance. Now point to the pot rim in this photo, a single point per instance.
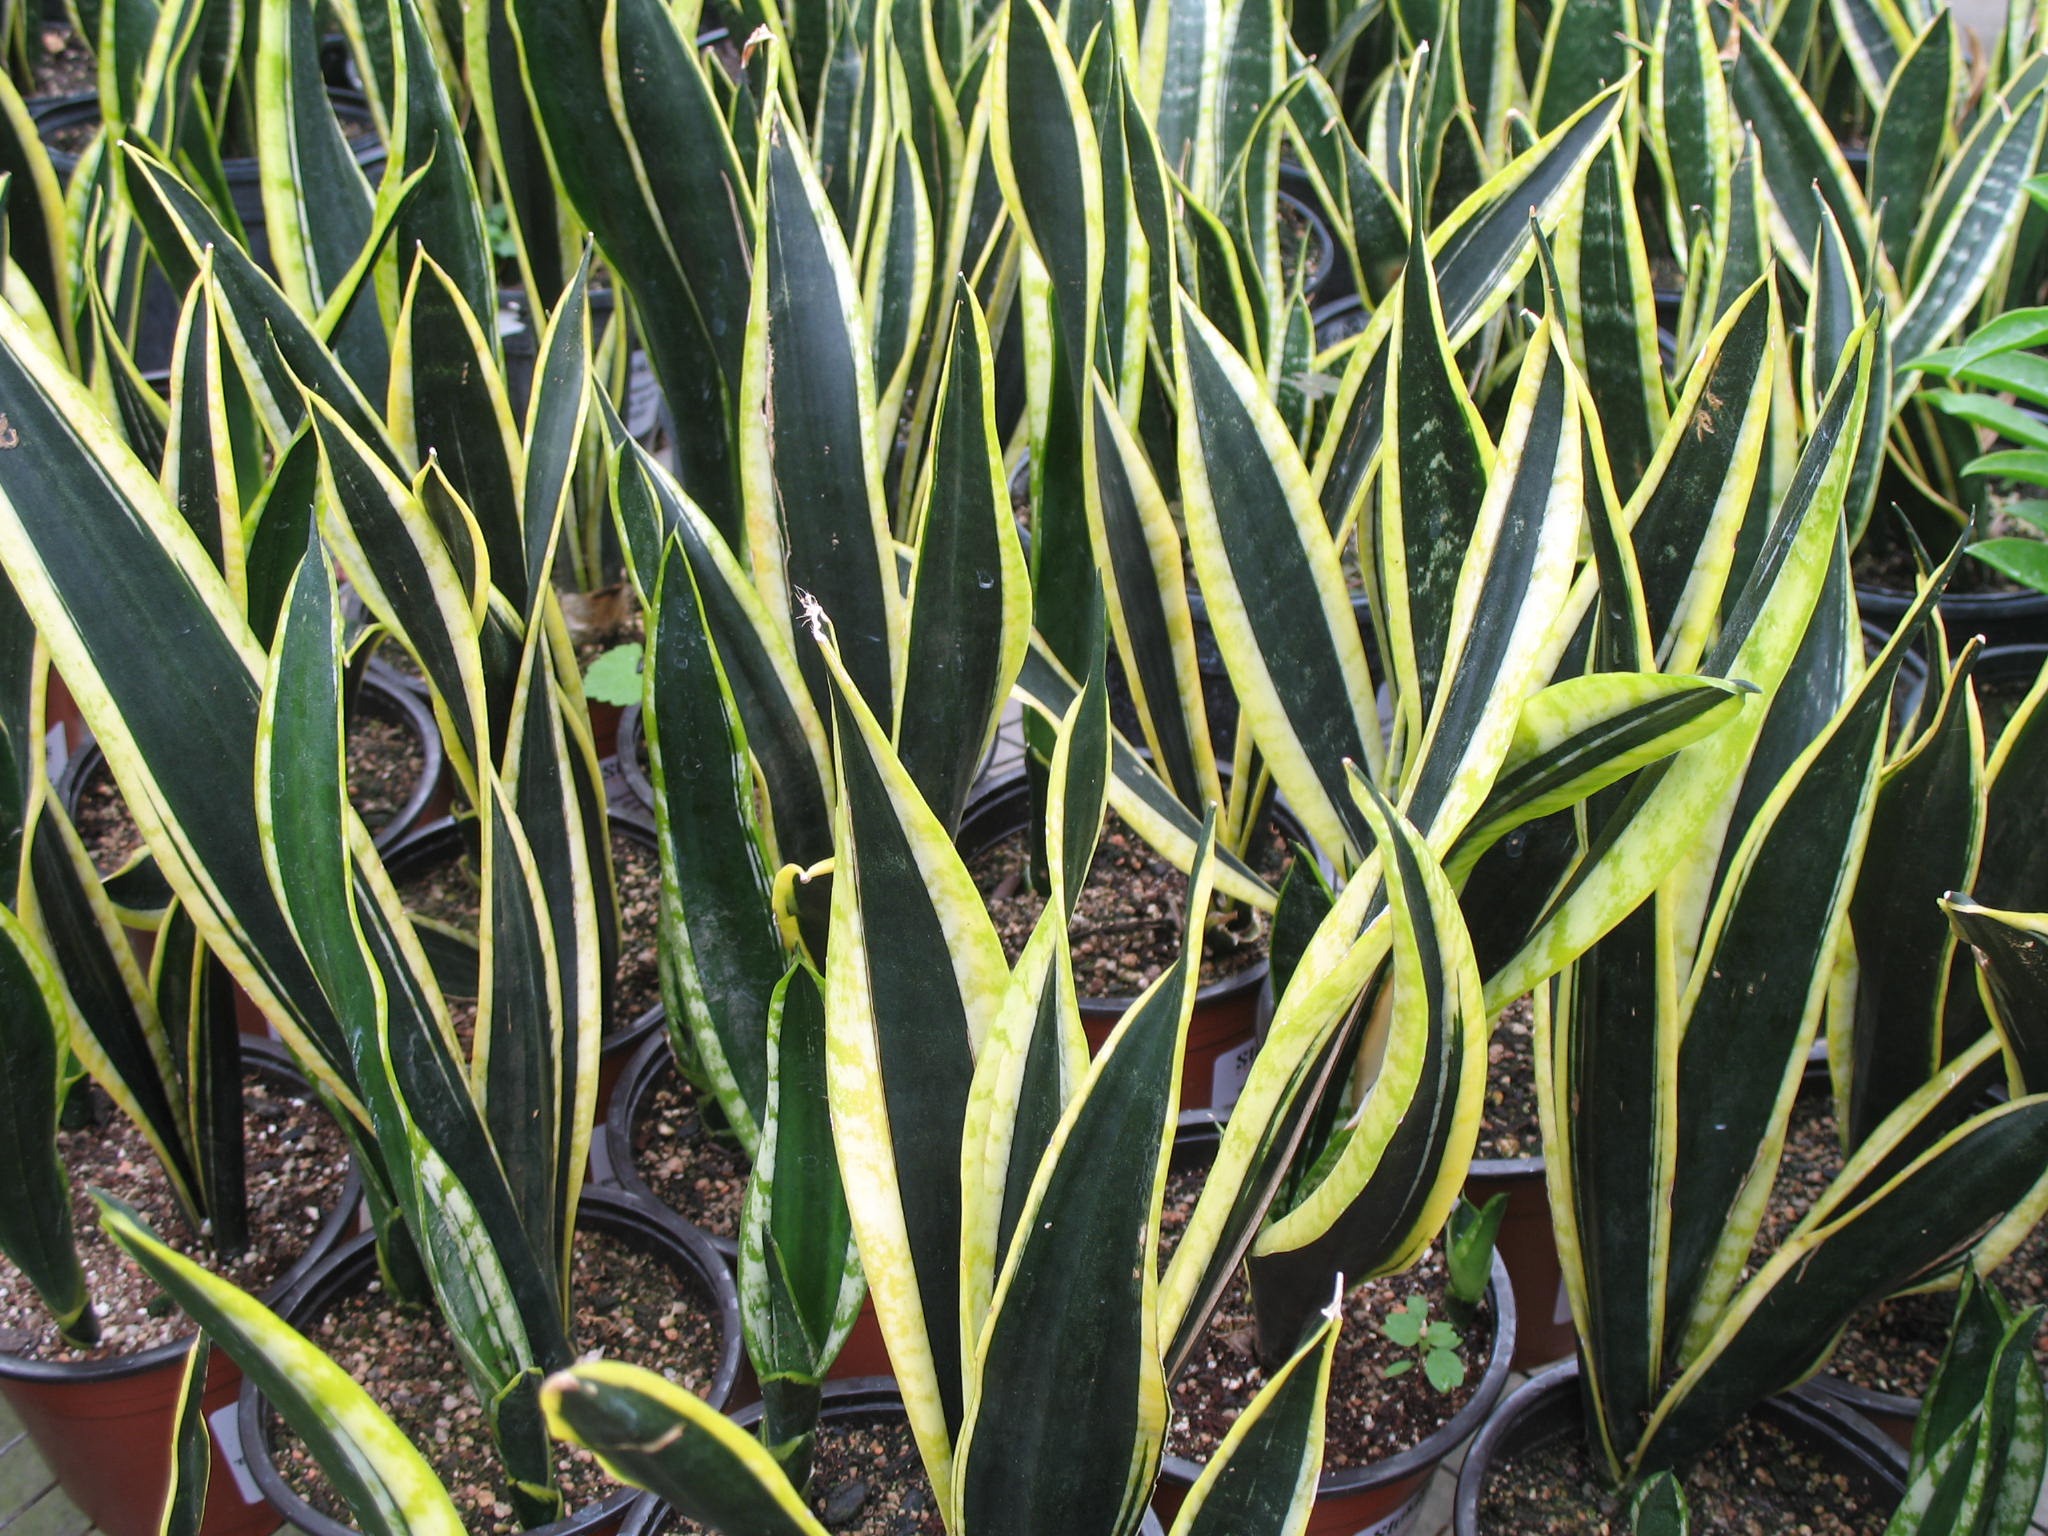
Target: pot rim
pixel 425 842
pixel 1453 1432
pixel 396 702
pixel 1882 1457
pixel 359 1253
pixel 615 1144
pixel 401 704
pixel 282 1292
pixel 1532 1166
pixel 67 111
pixel 1892 603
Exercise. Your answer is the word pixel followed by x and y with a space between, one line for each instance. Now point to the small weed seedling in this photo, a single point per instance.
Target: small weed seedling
pixel 614 678
pixel 1436 1344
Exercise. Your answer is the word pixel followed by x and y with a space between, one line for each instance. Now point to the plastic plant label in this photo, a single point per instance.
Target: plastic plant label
pixel 1226 1078
pixel 225 1424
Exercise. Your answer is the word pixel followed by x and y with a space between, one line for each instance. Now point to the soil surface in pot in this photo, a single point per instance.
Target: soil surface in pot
pixel 451 891
pixel 1895 1345
pixel 1511 1128
pixel 686 1165
pixel 385 761
pixel 626 1304
pixel 63 64
pixel 1304 245
pixel 1371 1415
pixel 297 1161
pixel 867 1480
pixel 1756 1482
pixel 108 831
pixel 1127 925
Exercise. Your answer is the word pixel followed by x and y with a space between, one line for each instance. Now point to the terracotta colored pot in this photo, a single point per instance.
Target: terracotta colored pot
pixel 1229 1014
pixel 104 1427
pixel 350 1268
pixel 1528 1247
pixel 1547 1408
pixel 1381 1499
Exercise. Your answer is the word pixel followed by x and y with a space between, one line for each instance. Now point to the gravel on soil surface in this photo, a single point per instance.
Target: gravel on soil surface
pixel 296 1165
pixel 1128 924
pixel 1756 1482
pixel 694 1171
pixel 628 1305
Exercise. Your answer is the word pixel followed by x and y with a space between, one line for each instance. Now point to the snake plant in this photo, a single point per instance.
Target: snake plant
pixel 1678 1340
pixel 1005 1191
pixel 447 521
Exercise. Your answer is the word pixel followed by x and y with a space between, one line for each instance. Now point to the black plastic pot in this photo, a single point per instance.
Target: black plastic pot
pixel 382 696
pixel 1327 278
pixel 350 1271
pixel 1339 320
pixel 2002 618
pixel 612 1166
pixel 858 1397
pixel 2003 674
pixel 1547 1408
pixel 156 331
pixel 630 743
pixel 1383 1497
pixel 104 1427
pixel 452 838
pixel 1229 1014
